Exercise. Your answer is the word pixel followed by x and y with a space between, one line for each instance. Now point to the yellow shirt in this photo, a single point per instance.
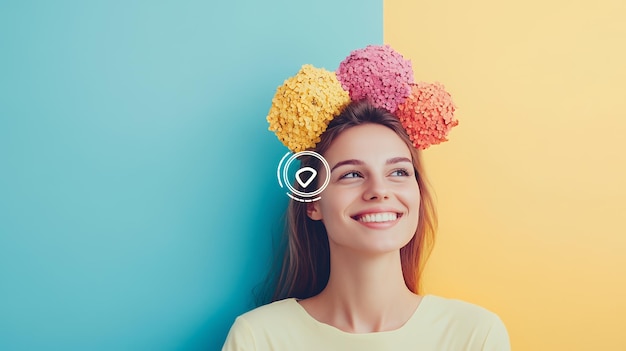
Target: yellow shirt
pixel 438 324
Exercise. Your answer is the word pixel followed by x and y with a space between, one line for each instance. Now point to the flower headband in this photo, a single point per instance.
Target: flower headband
pixel 304 105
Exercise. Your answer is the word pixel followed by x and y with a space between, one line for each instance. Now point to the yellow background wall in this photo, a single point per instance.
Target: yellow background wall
pixel 531 187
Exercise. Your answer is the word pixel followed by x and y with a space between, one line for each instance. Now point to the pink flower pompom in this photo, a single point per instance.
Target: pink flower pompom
pixel 427 115
pixel 377 73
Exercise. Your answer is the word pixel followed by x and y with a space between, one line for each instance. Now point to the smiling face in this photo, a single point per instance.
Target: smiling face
pixel 371 204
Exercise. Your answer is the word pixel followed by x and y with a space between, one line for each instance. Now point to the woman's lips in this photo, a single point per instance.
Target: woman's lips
pixel 378 220
pixel 378 217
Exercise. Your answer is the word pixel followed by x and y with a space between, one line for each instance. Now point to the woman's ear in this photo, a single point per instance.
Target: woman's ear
pixel 313 211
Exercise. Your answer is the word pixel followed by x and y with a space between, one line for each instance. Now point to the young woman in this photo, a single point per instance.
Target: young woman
pixel 350 277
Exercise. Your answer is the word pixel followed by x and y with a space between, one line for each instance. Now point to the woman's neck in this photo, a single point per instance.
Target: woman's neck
pixel 364 294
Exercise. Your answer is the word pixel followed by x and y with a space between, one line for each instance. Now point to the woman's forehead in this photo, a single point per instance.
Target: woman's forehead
pixel 367 142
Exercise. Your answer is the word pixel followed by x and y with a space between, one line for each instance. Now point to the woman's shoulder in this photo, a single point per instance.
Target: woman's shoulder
pixel 461 314
pixel 466 318
pixel 457 308
pixel 277 310
pixel 266 325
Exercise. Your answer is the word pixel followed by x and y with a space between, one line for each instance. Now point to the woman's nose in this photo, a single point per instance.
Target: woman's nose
pixel 376 189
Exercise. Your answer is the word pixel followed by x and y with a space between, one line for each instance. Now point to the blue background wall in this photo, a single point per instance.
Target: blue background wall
pixel 137 193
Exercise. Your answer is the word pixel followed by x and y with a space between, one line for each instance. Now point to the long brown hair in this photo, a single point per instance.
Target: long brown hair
pixel 305 265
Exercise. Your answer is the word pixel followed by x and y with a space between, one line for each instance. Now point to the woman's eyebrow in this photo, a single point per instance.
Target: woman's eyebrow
pixel 347 162
pixel 360 163
pixel 398 160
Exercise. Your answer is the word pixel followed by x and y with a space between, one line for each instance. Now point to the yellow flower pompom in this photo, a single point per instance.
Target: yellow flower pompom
pixel 304 105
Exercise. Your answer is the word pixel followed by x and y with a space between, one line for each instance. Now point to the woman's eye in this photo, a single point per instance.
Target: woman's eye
pixel 352 174
pixel 400 173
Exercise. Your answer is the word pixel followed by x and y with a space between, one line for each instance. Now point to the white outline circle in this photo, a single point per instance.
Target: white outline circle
pixel 319 157
pixel 300 193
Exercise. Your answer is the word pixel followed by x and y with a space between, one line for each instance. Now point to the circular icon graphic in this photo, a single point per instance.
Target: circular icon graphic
pixel 304 176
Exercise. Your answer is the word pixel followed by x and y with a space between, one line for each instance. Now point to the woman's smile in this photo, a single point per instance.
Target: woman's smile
pixel 380 218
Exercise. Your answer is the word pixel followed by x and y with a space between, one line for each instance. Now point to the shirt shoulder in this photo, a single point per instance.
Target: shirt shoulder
pixel 474 324
pixel 276 311
pixel 267 327
pixel 457 309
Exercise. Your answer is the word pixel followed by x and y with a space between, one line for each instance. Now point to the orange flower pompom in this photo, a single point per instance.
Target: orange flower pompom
pixel 427 114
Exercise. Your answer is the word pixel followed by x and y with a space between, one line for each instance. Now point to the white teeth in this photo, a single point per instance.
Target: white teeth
pixel 378 217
